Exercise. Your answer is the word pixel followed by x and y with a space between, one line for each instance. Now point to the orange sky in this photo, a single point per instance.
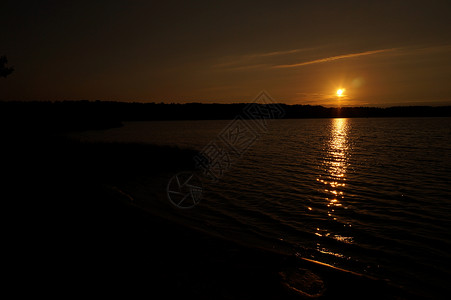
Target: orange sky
pixel 382 53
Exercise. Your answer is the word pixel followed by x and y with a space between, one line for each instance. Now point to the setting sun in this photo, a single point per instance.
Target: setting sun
pixel 340 92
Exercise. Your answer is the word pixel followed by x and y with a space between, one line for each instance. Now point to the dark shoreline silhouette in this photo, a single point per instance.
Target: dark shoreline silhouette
pixel 63 116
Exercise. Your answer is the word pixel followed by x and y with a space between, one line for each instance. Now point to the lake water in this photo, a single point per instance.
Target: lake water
pixel 369 195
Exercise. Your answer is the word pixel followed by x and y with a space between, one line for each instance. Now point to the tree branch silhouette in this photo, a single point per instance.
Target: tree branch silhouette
pixel 4 70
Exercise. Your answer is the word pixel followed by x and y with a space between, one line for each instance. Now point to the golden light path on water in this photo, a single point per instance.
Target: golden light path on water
pixel 335 164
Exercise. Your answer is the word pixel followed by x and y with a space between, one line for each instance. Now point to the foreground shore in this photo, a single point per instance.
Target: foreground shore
pixel 69 234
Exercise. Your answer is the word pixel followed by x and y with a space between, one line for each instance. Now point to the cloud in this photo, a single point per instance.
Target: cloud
pixel 276 53
pixel 248 61
pixel 267 60
pixel 332 58
pixel 424 50
pixel 247 67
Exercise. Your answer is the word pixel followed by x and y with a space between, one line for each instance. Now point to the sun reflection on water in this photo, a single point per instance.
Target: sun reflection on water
pixel 334 168
pixel 335 164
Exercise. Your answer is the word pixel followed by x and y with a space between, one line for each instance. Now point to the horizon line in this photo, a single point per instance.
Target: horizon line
pixel 221 103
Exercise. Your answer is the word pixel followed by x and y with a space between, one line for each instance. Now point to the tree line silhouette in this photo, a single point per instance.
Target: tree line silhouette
pixel 84 115
pixel 4 70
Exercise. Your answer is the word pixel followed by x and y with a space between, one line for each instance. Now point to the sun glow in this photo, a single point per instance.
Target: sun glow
pixel 340 92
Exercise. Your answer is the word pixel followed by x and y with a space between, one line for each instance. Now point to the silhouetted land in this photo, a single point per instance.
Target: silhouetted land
pixel 84 115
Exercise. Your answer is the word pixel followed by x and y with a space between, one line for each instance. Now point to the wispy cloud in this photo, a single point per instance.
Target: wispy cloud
pixel 424 50
pixel 245 61
pixel 268 60
pixel 275 53
pixel 332 58
pixel 248 67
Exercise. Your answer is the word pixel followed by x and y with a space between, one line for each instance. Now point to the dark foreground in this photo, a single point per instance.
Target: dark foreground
pixel 67 233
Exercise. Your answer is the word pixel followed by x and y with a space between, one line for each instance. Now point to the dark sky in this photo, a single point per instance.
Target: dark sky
pixel 381 52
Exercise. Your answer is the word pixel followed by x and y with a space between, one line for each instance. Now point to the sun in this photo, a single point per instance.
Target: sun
pixel 340 92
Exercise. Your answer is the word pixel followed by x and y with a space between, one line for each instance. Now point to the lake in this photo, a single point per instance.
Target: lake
pixel 369 195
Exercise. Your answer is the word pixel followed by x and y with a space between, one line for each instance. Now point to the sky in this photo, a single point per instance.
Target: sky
pixel 380 53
